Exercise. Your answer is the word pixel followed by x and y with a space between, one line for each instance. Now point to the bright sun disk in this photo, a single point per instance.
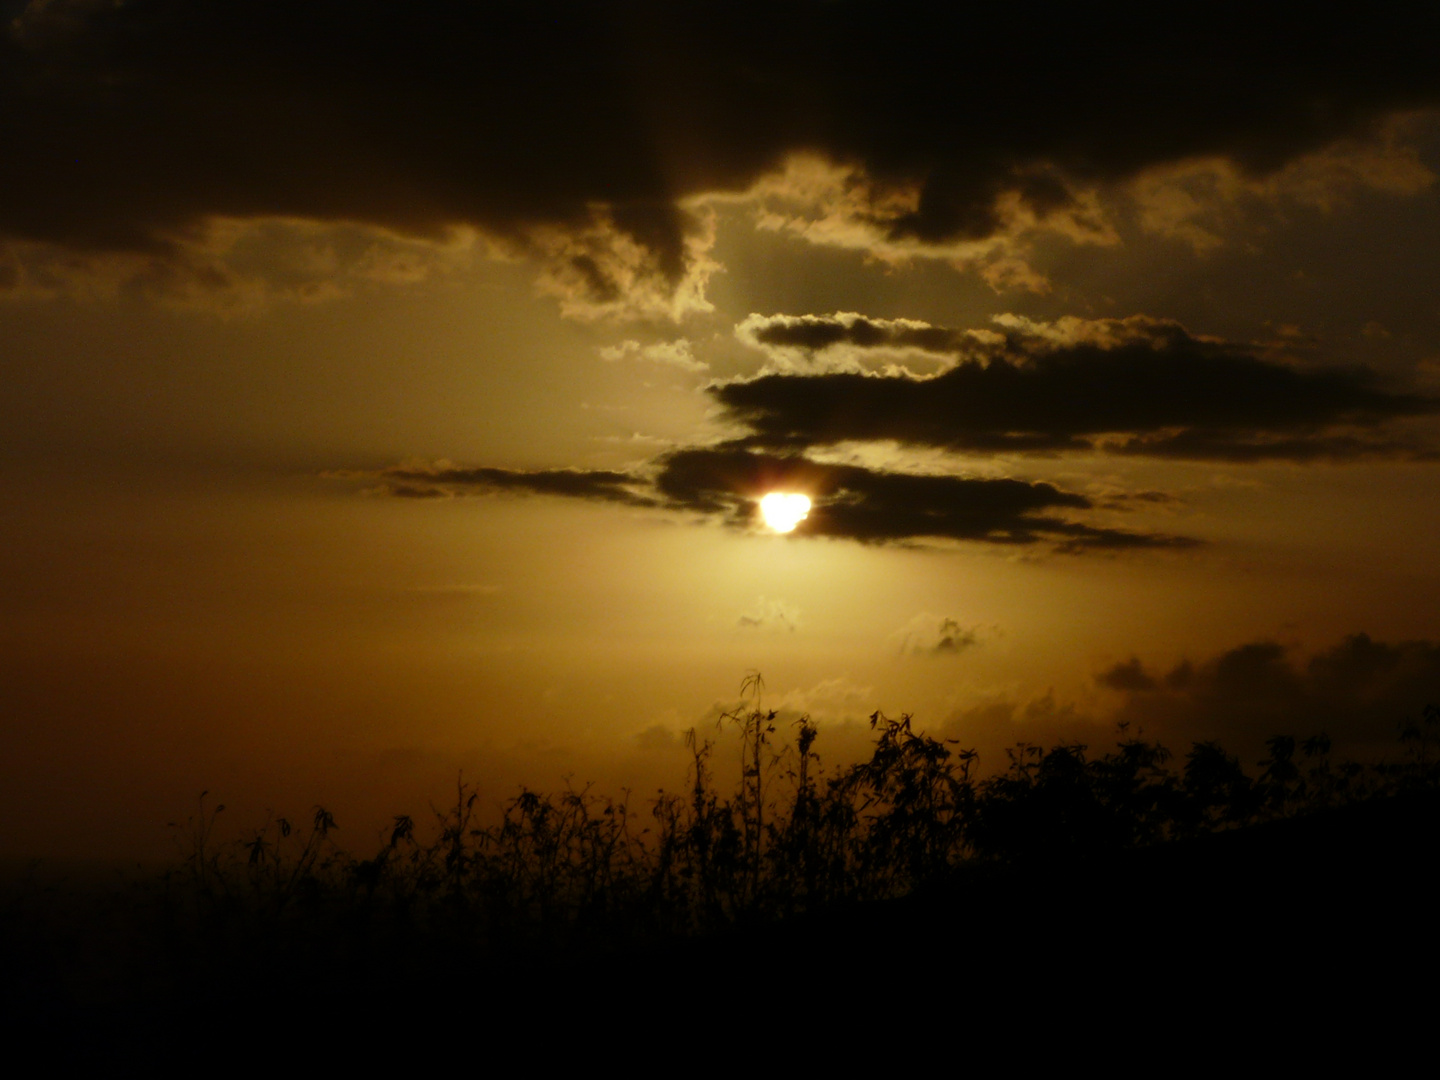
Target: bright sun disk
pixel 783 512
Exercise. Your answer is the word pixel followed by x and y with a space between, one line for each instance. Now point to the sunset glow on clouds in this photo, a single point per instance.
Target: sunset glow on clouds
pixel 391 389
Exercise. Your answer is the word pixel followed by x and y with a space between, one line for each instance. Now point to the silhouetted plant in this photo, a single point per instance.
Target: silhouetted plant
pixel 579 868
pixel 1215 793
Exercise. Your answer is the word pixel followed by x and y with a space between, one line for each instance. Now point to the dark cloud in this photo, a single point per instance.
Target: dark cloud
pixel 1360 691
pixel 1127 500
pixel 1218 444
pixel 850 502
pixel 936 636
pixel 875 506
pixel 816 332
pixel 1129 675
pixel 1137 386
pixel 447 481
pixel 953 638
pixel 125 123
pixel 403 490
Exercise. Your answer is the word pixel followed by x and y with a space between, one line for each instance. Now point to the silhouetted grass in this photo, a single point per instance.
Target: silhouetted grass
pixel 579 867
pixel 288 914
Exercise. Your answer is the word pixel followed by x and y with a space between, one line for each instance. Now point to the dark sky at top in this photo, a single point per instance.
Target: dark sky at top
pixel 125 122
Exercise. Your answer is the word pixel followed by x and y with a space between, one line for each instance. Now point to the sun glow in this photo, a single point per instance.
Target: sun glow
pixel 783 512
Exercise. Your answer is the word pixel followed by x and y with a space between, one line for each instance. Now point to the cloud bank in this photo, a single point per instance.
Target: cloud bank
pixel 1136 386
pixel 1133 387
pixel 1360 692
pixel 872 506
pixel 582 130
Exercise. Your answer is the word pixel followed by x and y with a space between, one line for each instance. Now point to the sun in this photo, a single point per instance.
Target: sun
pixel 782 512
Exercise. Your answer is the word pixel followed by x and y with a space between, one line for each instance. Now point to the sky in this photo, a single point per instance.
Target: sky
pixel 389 389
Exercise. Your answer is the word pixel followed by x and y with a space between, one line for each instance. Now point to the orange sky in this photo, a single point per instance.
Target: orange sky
pixel 362 428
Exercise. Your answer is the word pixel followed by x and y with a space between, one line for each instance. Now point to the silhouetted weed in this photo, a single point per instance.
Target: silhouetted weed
pixel 579 869
pixel 575 872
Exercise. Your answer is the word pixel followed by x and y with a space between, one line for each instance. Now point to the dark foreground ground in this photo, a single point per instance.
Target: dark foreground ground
pixel 1302 934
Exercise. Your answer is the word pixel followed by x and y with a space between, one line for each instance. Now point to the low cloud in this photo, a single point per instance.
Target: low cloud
pixel 659 737
pixel 771 615
pixel 1138 386
pixel 1131 500
pixel 444 480
pixel 816 332
pixel 850 342
pixel 675 353
pixel 877 506
pixel 1129 675
pixel 1359 691
pixel 936 636
pixel 872 506
pixel 830 701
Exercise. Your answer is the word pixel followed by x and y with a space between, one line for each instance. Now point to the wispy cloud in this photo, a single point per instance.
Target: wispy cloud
pixel 677 353
pixel 936 635
pixel 770 614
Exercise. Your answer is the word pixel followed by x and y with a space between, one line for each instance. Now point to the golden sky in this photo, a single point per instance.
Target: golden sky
pixel 389 389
